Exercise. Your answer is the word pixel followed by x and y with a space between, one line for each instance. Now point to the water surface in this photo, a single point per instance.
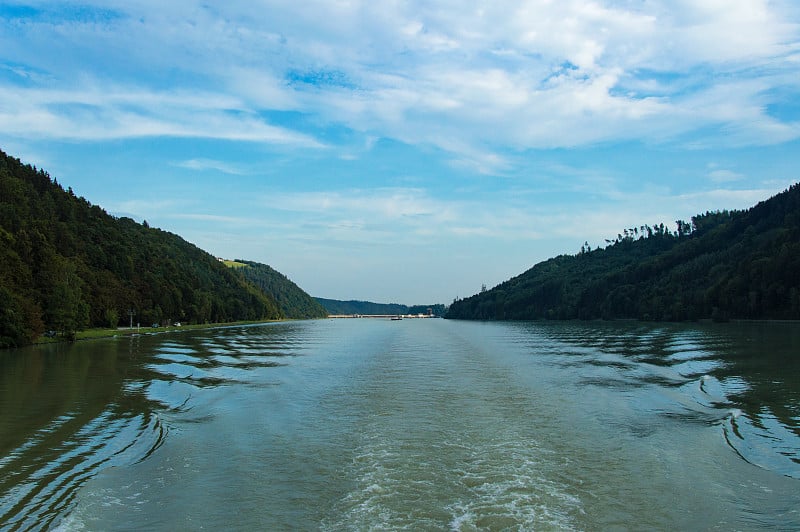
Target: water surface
pixel 416 424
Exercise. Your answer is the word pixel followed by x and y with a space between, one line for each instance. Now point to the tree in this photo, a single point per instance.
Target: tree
pixel 112 317
pixel 66 310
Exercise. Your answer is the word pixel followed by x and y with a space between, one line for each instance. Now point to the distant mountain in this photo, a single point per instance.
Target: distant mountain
pixel 334 306
pixel 293 302
pixel 66 264
pixel 721 265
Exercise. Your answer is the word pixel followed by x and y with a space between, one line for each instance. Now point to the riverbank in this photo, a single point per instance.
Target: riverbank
pixel 94 334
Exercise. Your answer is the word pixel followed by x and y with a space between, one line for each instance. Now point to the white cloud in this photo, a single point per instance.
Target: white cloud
pixel 479 162
pixel 723 198
pixel 140 209
pixel 210 164
pixel 215 219
pixel 486 77
pixel 261 89
pixel 523 103
pixel 381 205
pixel 723 175
pixel 389 217
pixel 97 114
pixel 738 31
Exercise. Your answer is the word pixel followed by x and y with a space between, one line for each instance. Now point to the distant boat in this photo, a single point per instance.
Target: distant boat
pixel 396 318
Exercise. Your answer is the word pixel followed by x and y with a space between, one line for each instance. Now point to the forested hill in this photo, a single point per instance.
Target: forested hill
pixel 334 306
pixel 292 300
pixel 721 265
pixel 66 264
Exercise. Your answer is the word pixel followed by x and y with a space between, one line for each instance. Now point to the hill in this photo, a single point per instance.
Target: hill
pixel 66 264
pixel 292 300
pixel 334 306
pixel 721 265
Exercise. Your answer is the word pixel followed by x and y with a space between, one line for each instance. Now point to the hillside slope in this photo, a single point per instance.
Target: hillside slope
pixel 722 265
pixel 66 264
pixel 292 300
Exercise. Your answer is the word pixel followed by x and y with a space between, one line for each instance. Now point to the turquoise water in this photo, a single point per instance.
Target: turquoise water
pixel 416 424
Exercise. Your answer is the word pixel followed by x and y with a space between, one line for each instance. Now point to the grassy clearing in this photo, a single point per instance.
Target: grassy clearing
pixel 92 334
pixel 233 264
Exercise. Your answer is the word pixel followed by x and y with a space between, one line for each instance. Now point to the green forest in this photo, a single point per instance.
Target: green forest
pixel 68 265
pixel 720 265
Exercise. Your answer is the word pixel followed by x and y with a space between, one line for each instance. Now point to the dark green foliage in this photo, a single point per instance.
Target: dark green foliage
pixel 293 302
pixel 724 265
pixel 66 264
pixel 334 306
pixel 65 307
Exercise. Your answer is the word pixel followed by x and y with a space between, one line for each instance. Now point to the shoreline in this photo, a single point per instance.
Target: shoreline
pixel 97 334
pixel 100 333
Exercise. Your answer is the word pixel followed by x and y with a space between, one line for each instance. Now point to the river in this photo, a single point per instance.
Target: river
pixel 419 424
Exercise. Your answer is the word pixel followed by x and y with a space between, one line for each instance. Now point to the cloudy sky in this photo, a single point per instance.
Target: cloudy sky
pixel 404 151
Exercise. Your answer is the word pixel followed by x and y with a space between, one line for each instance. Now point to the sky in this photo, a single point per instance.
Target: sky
pixel 404 151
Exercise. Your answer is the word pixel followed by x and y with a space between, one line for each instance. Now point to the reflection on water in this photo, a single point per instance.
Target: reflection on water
pixel 744 378
pixel 65 413
pixel 357 424
pixel 70 410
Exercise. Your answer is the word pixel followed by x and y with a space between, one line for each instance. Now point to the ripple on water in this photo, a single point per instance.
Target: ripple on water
pixel 46 486
pixel 762 440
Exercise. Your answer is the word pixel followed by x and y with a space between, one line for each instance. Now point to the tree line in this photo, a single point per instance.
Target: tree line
pixel 720 265
pixel 335 306
pixel 66 264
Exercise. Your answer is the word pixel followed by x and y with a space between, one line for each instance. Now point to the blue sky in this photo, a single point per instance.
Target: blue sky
pixel 404 151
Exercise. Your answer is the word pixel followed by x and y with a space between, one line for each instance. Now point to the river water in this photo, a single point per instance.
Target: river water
pixel 418 424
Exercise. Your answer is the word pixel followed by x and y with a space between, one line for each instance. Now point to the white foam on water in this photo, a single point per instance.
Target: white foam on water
pixel 510 489
pixel 71 523
pixel 506 483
